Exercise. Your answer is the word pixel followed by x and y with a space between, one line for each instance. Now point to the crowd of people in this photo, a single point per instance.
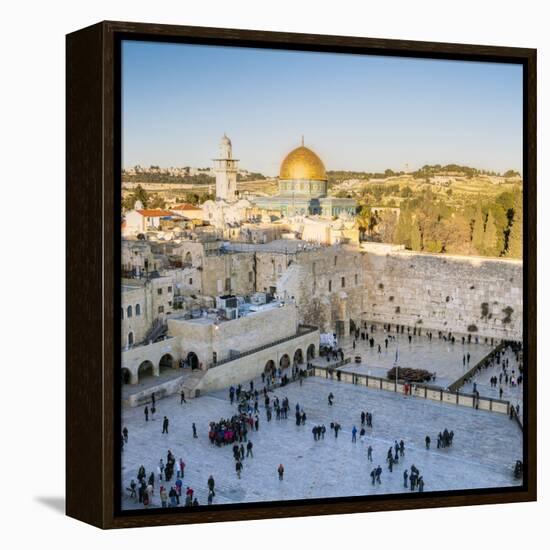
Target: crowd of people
pixel 236 430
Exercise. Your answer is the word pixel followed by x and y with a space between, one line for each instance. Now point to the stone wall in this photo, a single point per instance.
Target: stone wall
pixel 481 296
pixel 244 369
pixel 132 359
pixel 239 335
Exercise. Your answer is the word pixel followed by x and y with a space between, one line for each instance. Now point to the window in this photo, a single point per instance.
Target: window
pixel 159 291
pixel 356 278
pixel 250 275
pixel 138 310
pixel 330 286
pixel 161 309
pixel 130 338
pixel 169 290
pixel 335 260
pixel 190 280
pixel 228 284
pixel 279 269
pixel 343 282
pixel 129 311
pixel 169 304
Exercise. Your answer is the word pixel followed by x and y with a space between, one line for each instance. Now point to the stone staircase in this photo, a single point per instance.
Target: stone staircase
pixel 157 331
pixel 191 382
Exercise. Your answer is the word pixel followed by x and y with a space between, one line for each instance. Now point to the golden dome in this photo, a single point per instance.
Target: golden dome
pixel 302 164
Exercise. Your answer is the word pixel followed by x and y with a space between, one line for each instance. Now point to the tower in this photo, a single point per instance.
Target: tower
pixel 225 168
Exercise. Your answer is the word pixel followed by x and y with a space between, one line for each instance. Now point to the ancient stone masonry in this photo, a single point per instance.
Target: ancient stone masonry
pixel 481 296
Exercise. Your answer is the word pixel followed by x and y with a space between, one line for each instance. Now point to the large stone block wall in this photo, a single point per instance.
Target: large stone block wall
pixel 327 285
pixel 481 296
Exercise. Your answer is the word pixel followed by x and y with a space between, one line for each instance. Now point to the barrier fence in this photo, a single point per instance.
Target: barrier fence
pixel 457 384
pixel 422 391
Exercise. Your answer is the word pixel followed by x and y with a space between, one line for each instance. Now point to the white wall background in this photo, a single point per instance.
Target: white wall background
pixel 32 397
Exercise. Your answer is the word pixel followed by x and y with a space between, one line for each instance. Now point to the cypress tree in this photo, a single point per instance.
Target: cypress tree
pixel 415 237
pixel 515 238
pixel 478 230
pixel 490 236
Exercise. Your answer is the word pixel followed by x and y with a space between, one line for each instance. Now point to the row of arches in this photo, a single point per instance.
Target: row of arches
pixel 285 362
pixel 148 369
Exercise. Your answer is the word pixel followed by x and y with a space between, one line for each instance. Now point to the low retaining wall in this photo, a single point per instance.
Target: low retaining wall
pixel 162 390
pixel 460 382
pixel 421 391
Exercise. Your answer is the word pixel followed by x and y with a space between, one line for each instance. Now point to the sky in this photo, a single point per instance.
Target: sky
pixel 363 113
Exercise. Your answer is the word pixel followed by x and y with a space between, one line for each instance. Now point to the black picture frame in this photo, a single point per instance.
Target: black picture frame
pixel 93 168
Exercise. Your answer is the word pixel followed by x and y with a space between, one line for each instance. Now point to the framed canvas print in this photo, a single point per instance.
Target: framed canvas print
pixel 301 274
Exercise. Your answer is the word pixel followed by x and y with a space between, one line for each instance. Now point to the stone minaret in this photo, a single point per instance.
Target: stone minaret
pixel 225 168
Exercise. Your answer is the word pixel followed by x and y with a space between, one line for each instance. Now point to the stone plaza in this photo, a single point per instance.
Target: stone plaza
pixel 485 448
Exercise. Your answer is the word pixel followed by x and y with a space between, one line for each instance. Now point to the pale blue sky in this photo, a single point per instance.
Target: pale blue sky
pixel 357 112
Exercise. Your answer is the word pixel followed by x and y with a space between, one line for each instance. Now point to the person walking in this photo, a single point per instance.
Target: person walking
pixel 182 397
pixel 194 428
pixel 238 468
pixel 354 435
pixel 211 484
pixel 165 425
pixel 281 472
pixel 405 478
pixel 146 412
pixel 428 441
pixel 369 454
pixel 125 434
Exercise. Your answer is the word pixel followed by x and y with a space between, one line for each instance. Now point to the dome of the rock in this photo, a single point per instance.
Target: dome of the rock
pixel 302 164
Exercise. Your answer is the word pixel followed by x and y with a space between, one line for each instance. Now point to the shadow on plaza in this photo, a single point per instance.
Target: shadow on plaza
pixel 57 504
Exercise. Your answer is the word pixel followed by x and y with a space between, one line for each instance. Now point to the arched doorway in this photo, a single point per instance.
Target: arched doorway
pixel 298 357
pixel 311 352
pixel 269 368
pixel 145 370
pixel 166 362
pixel 188 259
pixel 193 360
pixel 126 376
pixel 284 362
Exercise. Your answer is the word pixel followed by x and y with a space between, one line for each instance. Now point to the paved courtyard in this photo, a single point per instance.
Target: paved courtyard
pixel 514 394
pixel 486 446
pixel 437 355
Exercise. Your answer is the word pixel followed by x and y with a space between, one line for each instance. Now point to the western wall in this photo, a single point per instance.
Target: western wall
pixel 462 294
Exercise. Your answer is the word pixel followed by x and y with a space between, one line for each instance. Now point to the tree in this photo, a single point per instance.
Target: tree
pixel 404 227
pixel 139 194
pixel 490 236
pixel 455 235
pixel 363 219
pixel 416 237
pixel 478 230
pixel 515 238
